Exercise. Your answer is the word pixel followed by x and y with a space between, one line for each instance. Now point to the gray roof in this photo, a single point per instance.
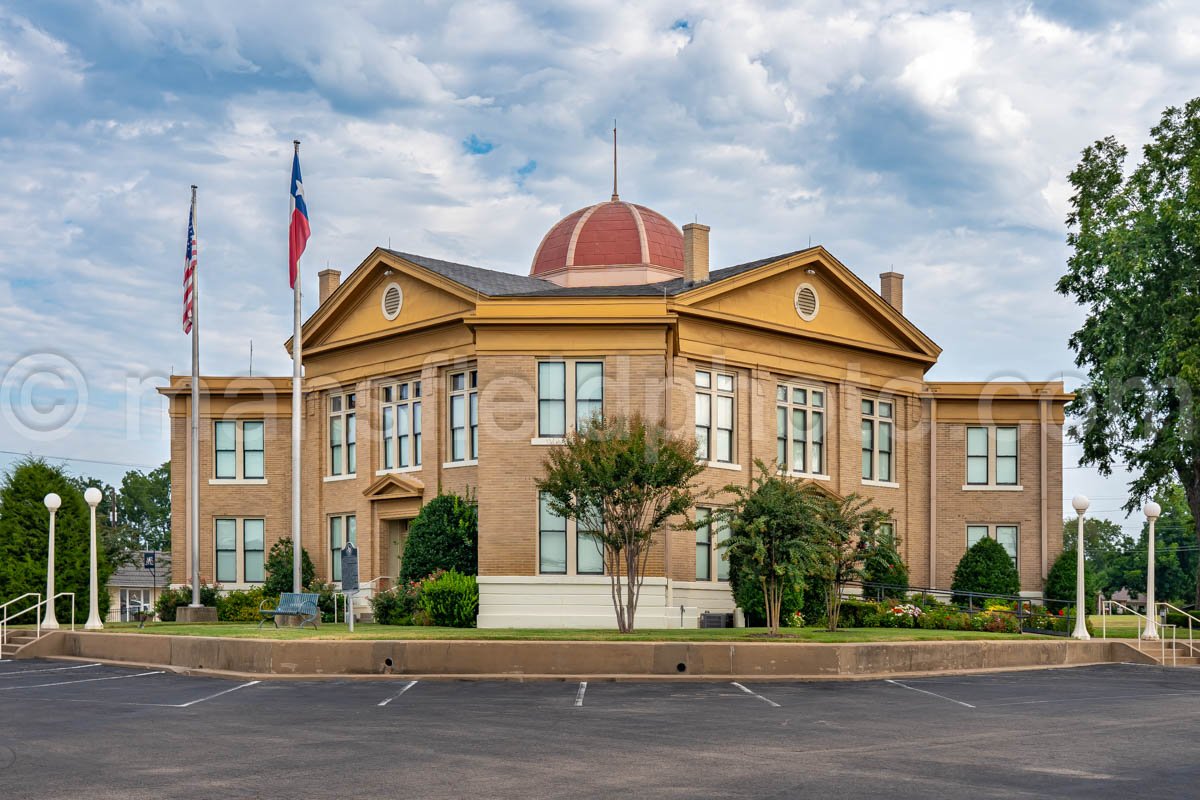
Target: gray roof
pixel 132 576
pixel 506 284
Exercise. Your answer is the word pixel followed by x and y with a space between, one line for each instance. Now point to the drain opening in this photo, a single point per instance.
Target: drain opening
pixel 681 667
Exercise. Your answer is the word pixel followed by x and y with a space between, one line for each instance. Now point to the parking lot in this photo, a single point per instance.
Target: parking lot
pixel 70 730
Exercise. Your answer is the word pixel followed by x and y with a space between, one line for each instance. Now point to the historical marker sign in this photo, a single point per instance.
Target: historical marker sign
pixel 349 568
pixel 148 560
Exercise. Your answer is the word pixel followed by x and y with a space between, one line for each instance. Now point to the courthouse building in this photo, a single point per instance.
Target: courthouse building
pixel 423 375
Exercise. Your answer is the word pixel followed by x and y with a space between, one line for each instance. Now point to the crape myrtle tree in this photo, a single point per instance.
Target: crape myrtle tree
pixel 622 478
pixel 1135 267
pixel 849 533
pixel 773 536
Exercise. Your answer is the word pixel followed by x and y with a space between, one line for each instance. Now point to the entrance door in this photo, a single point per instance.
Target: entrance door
pixel 397 534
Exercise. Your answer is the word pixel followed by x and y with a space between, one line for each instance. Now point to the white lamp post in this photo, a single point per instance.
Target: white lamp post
pixel 1152 511
pixel 50 622
pixel 93 497
pixel 1080 503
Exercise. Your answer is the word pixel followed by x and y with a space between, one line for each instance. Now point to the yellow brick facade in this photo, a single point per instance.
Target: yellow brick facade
pixel 857 347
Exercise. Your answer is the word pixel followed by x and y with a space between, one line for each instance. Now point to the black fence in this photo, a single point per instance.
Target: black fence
pixel 1029 612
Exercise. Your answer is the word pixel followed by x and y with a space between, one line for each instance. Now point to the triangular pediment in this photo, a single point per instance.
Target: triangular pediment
pixel 385 295
pixel 395 486
pixel 846 309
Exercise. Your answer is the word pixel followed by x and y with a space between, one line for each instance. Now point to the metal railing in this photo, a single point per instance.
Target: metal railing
pixel 36 608
pixel 373 583
pixel 1106 609
pixel 1190 619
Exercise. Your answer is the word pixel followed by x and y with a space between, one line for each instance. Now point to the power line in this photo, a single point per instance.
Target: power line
pixel 80 460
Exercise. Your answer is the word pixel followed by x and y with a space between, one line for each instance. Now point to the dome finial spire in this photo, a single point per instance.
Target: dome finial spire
pixel 614 196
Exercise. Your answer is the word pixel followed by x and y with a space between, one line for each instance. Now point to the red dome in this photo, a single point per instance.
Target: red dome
pixel 614 233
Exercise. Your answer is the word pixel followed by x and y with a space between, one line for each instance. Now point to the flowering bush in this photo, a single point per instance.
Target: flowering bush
pixel 907 608
pixel 795 619
pixel 401 605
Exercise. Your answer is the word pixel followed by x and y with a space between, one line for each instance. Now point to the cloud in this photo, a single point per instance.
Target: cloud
pixel 903 134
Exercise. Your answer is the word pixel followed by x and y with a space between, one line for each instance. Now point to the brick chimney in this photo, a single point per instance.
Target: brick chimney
pixel 891 286
pixel 328 280
pixel 695 252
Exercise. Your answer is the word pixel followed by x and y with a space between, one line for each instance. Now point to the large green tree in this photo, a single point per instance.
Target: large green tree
pixel 145 506
pixel 848 534
pixel 445 535
pixel 1104 545
pixel 1175 554
pixel 623 479
pixel 774 533
pixel 1135 267
pixel 24 538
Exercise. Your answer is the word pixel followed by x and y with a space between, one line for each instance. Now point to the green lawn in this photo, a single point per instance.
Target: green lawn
pixel 371 631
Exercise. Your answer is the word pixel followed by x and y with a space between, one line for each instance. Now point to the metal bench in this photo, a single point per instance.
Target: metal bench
pixel 291 605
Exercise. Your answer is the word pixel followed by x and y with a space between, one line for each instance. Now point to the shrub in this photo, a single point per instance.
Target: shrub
pixel 986 568
pixel 242 605
pixel 445 535
pixel 1060 583
pixel 170 599
pixel 748 595
pixel 279 568
pixel 859 614
pixel 884 574
pixel 325 604
pixel 451 600
pixel 397 605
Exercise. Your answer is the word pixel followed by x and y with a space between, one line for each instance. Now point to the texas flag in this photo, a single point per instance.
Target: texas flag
pixel 298 233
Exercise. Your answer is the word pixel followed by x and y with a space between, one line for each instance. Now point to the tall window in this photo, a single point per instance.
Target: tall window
pixel 342 529
pixel 557 548
pixel 252 551
pixel 710 535
pixel 992 455
pixel 715 413
pixel 800 429
pixel 342 435
pixel 231 438
pixel 464 415
pixel 570 393
pixel 1007 535
pixel 227 551
pixel 401 414
pixel 878 440
pixel 240 546
pixel 552 539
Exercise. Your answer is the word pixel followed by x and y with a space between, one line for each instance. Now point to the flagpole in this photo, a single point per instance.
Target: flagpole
pixel 296 410
pixel 194 490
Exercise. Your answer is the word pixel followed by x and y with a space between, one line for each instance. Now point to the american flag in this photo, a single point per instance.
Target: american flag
pixel 189 272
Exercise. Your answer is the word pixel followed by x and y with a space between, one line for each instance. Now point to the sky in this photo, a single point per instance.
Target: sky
pixel 930 138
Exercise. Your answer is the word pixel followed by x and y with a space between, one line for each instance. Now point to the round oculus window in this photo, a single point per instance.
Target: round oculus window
pixel 392 301
pixel 807 302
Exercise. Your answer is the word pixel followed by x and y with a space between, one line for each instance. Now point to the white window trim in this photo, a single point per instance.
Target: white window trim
pixel 336 478
pixel 239 549
pixel 379 473
pixel 992 456
pixel 875 420
pixel 572 534
pixel 409 409
pixel 809 408
pixel 344 414
pixel 465 393
pixel 713 393
pixel 991 532
pixel 715 552
pixel 453 464
pixel 571 383
pixel 239 455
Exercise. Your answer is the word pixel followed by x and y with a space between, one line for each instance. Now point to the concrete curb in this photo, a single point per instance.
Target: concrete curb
pixel 540 660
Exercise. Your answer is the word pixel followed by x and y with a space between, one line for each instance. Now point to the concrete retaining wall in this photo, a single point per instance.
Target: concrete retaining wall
pixel 576 659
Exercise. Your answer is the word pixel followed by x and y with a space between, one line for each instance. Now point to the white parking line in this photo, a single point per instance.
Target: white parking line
pixel 579 694
pixel 52 669
pixel 218 694
pixel 407 686
pixel 759 696
pixel 84 680
pixel 931 694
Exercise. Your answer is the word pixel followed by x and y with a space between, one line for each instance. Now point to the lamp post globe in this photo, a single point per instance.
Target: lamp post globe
pixel 1153 511
pixel 1080 503
pixel 93 496
pixel 49 621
